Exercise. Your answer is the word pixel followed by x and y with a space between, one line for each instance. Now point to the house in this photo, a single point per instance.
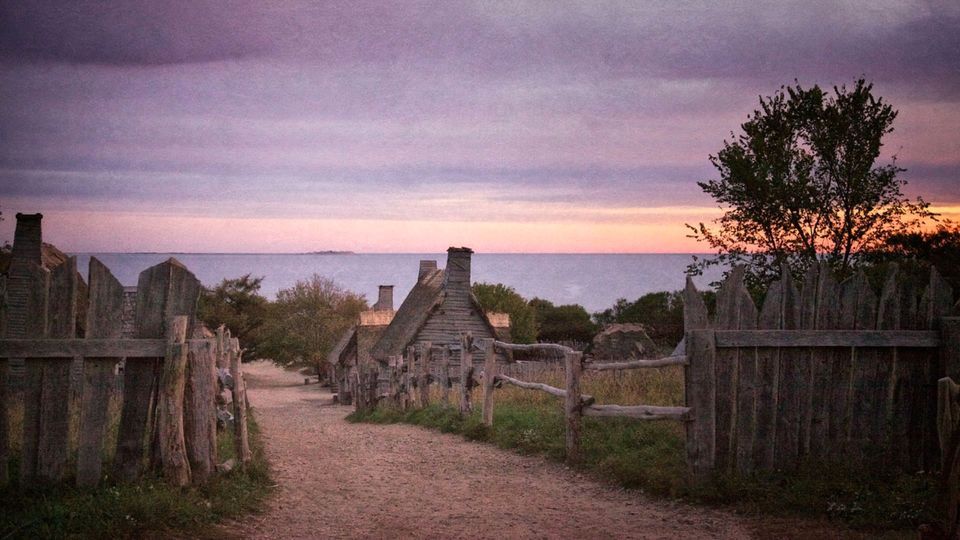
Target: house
pixel 352 351
pixel 438 309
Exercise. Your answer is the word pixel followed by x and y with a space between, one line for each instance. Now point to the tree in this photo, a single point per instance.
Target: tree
pixel 802 184
pixel 307 319
pixel 504 299
pixel 918 250
pixel 569 322
pixel 238 305
pixel 660 312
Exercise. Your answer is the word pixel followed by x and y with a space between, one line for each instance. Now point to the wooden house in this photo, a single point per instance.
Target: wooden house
pixel 438 309
pixel 352 351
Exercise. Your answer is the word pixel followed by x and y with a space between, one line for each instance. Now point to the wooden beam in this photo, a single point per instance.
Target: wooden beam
pixel 827 338
pixel 680 360
pixel 639 412
pixel 489 374
pixel 572 405
pixel 88 348
pixel 533 386
pixel 173 452
pixel 531 347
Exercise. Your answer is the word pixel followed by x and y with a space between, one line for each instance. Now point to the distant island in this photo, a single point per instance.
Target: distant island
pixel 330 252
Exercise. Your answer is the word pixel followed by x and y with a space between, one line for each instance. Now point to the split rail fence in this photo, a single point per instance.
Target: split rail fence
pixel 166 384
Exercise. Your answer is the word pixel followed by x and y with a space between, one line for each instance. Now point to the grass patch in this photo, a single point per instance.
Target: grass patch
pixel 650 456
pixel 149 507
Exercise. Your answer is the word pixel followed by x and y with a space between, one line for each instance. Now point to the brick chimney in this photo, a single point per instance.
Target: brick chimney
pixel 28 240
pixel 458 267
pixel 385 299
pixel 425 268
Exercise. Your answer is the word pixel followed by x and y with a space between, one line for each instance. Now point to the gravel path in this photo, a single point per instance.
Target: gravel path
pixel 343 480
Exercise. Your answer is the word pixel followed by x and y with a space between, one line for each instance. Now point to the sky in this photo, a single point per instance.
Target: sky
pixel 510 126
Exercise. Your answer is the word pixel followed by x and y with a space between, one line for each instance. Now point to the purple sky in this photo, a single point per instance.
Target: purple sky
pixel 507 126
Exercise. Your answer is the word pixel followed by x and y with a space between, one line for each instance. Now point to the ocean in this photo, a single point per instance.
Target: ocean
pixel 594 281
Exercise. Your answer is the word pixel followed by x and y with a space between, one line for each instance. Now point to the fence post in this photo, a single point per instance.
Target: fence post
pixel 445 374
pixel 466 372
pixel 572 405
pixel 173 452
pixel 489 376
pixel 200 419
pixel 950 347
pixel 424 365
pixel 239 403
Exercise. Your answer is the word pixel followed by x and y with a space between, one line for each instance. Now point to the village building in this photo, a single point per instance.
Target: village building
pixel 438 309
pixel 352 351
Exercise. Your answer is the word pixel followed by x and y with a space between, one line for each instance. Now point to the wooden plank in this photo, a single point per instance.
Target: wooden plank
pixel 948 425
pixel 466 372
pixel 131 349
pixel 863 377
pixel 533 386
pixel 34 281
pixel 241 434
pixel 808 315
pixel 747 388
pixel 827 338
pixel 822 360
pixel 489 376
pixel 638 412
pixel 445 374
pixel 698 388
pixel 200 419
pixel 163 291
pixel 940 305
pixel 950 347
pixel 4 423
pixel 729 299
pixel 572 405
pixel 790 392
pixel 679 360
pixel 889 429
pixel 423 382
pixel 768 375
pixel 532 347
pixel 170 429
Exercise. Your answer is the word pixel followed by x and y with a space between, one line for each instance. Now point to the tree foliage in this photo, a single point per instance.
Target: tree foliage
pixel 801 183
pixel 307 319
pixel 504 299
pixel 660 312
pixel 569 322
pixel 238 305
pixel 916 251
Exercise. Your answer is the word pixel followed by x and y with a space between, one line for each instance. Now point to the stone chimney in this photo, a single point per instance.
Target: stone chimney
pixel 28 240
pixel 458 267
pixel 425 268
pixel 385 299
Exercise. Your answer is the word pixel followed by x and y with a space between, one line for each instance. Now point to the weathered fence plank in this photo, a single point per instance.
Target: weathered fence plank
pixel 787 449
pixel 163 291
pixel 801 339
pixel 768 376
pixel 859 309
pixel 729 299
pixel 888 428
pixel 104 321
pixel 489 377
pixel 172 448
pixel 200 419
pixel 827 313
pixel 466 372
pixel 680 360
pixel 55 401
pixel 699 388
pixel 747 387
pixel 34 282
pixel 948 426
pixel 939 305
pixel 807 371
pixel 638 412
pixel 572 405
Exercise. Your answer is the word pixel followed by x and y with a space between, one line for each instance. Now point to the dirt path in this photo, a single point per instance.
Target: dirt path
pixel 344 480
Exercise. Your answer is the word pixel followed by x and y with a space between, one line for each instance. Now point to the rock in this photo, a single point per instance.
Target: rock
pixel 623 342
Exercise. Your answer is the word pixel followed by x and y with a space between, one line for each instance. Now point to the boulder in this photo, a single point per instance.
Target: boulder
pixel 623 342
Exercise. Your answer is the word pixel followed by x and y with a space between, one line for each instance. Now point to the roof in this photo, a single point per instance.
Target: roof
pixel 416 308
pixel 337 350
pixel 376 317
pixel 499 320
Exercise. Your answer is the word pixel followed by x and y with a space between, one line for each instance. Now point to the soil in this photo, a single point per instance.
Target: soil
pixel 342 480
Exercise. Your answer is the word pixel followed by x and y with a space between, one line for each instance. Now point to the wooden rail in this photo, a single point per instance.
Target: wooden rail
pixel 679 360
pixel 827 338
pixel 532 347
pixel 639 412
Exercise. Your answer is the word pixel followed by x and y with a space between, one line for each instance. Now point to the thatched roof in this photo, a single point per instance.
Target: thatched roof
pixel 334 356
pixel 416 308
pixel 50 257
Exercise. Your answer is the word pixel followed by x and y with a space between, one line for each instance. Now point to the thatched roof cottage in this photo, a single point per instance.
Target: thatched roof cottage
pixel 352 351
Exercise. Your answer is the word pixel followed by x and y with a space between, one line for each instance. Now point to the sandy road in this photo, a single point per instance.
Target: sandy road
pixel 343 480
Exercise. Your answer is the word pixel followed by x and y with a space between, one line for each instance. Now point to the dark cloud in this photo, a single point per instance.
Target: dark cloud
pixel 143 32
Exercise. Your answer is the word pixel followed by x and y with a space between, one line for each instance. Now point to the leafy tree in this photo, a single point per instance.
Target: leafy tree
pixel 504 299
pixel 237 304
pixel 661 312
pixel 802 184
pixel 916 251
pixel 307 319
pixel 569 322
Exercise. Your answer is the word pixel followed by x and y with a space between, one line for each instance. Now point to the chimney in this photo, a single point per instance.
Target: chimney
pixel 385 299
pixel 425 268
pixel 28 240
pixel 458 267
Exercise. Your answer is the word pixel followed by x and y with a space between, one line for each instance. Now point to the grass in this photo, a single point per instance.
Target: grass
pixel 650 456
pixel 150 507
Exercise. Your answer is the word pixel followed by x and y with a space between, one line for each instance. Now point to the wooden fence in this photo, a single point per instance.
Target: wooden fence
pixel 168 388
pixel 410 377
pixel 825 370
